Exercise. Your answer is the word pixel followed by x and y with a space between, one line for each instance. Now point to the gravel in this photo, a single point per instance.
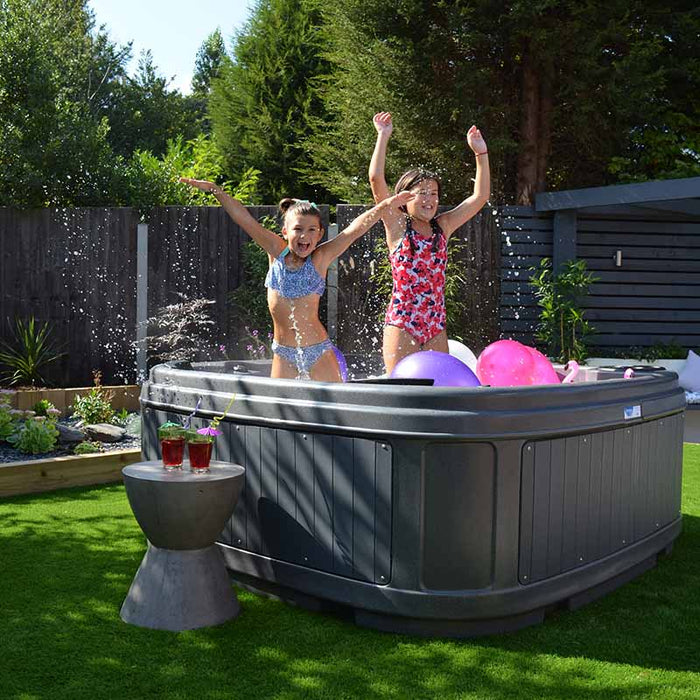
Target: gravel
pixel 10 454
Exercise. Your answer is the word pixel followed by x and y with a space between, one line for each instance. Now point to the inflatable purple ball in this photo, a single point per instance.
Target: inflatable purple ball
pixel 443 369
pixel 342 363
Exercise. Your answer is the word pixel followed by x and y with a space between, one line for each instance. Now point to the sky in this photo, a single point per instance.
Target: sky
pixel 172 29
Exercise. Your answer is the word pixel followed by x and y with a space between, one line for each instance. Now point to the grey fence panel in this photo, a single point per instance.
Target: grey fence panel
pixel 653 297
pixel 655 292
pixel 526 238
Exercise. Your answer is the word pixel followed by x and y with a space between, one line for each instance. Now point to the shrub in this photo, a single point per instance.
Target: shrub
pixel 37 435
pixel 42 406
pixel 562 328
pixel 96 406
pixel 8 417
pixel 86 447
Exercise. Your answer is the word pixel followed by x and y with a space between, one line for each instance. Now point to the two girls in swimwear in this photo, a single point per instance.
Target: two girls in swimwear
pixel 416 236
pixel 296 278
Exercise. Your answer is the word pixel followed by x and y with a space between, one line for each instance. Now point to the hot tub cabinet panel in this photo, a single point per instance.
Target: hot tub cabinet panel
pixel 452 512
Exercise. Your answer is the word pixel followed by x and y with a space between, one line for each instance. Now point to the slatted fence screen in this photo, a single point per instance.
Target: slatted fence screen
pixel 652 297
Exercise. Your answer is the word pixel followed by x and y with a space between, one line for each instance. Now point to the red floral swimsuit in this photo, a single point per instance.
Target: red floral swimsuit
pixel 418 295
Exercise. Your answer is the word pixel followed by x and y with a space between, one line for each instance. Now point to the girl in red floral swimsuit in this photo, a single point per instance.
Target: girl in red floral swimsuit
pixel 417 241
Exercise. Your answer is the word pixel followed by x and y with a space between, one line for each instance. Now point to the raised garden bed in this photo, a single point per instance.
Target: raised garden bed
pixel 37 475
pixel 125 396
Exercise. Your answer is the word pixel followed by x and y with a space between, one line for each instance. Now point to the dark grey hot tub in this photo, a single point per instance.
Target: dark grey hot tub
pixel 439 510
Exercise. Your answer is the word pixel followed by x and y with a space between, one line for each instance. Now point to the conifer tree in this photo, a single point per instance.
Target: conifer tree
pixel 264 101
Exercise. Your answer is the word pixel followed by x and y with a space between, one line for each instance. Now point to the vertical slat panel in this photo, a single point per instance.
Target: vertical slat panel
pixel 253 490
pixel 382 513
pixel 593 547
pixel 363 506
pixel 527 486
pixel 235 442
pixel 556 507
pixel 286 473
pixel 304 494
pixel 323 497
pixel 626 486
pixel 343 475
pixel 540 516
pixel 568 556
pixel 582 494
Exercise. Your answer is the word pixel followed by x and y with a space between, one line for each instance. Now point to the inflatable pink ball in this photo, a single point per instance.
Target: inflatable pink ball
pixel 505 363
pixel 443 369
pixel 543 372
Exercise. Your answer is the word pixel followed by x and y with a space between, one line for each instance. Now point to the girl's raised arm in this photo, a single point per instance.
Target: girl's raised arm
pixel 267 240
pixel 327 252
pixel 451 220
pixel 377 180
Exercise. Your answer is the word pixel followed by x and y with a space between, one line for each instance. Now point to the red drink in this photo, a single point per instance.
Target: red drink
pixel 173 450
pixel 200 455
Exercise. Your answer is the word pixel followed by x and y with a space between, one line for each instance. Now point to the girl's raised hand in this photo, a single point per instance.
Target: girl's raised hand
pixel 203 185
pixel 400 199
pixel 382 123
pixel 476 140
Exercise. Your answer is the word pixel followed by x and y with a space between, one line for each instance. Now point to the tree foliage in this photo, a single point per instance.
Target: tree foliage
pixel 53 143
pixel 568 94
pixel 265 99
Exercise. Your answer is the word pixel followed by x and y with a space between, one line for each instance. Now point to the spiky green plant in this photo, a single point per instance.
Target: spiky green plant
pixel 32 350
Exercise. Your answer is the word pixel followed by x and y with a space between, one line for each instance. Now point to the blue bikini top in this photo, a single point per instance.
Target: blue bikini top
pixel 293 284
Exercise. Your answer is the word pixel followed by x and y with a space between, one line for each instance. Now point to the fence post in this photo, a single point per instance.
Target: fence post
pixel 141 302
pixel 564 238
pixel 332 287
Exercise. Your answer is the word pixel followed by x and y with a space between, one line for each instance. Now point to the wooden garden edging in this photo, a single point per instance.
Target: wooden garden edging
pixel 125 396
pixel 35 476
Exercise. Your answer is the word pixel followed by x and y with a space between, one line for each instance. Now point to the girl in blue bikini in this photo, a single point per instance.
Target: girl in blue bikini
pixel 296 278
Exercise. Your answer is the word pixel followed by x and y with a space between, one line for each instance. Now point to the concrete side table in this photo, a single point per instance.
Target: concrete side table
pixel 182 582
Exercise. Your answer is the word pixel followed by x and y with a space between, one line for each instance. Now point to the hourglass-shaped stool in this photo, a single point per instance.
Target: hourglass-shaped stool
pixel 182 582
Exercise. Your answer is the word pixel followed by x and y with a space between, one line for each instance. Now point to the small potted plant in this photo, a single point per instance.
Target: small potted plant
pixel 200 442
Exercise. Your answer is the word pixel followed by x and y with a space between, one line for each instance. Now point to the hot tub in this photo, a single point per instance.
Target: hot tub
pixel 434 510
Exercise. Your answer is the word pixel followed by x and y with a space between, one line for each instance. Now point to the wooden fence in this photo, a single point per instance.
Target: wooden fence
pixel 77 269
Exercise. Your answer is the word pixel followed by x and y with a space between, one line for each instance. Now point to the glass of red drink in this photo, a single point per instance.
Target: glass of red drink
pixel 200 447
pixel 172 444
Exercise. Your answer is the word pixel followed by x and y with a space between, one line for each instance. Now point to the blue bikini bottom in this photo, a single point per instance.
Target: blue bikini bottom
pixel 303 358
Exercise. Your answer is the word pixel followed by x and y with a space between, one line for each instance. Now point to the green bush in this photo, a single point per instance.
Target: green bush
pixel 8 419
pixel 86 447
pixel 36 436
pixel 96 406
pixel 562 329
pixel 42 406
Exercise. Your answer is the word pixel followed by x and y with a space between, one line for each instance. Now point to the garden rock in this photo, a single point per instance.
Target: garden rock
pixel 104 432
pixel 68 435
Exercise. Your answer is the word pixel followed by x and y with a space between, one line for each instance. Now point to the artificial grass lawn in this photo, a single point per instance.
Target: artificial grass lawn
pixel 67 559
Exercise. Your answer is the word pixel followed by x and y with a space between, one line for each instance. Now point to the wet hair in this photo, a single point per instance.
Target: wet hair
pixel 301 207
pixel 414 177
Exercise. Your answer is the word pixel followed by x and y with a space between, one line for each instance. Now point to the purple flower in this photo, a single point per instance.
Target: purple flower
pixel 222 348
pixel 209 431
pixel 255 334
pixel 249 348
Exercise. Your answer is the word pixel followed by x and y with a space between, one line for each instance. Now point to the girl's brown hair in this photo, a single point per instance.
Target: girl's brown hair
pixel 414 177
pixel 302 207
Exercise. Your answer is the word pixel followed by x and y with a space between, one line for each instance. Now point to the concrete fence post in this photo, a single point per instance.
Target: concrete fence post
pixel 141 302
